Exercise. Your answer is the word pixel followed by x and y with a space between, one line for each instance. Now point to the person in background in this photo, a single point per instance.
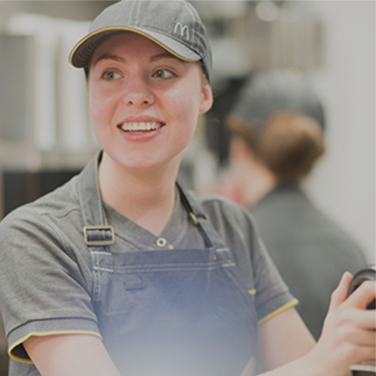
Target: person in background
pixel 124 271
pixel 277 136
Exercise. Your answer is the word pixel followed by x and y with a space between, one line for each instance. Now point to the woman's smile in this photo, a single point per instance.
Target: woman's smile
pixel 140 127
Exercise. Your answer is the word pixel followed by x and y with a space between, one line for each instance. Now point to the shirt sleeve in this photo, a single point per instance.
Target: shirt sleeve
pixel 236 227
pixel 43 290
pixel 272 295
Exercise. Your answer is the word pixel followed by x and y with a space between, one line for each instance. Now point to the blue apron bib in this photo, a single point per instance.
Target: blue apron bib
pixel 179 312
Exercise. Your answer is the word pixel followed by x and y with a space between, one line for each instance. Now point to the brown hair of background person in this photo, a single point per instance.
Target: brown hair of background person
pixel 289 144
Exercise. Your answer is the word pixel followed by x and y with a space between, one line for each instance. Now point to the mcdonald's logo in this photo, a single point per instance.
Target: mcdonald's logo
pixel 183 30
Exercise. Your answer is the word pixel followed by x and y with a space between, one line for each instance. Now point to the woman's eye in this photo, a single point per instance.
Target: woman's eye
pixel 163 73
pixel 110 76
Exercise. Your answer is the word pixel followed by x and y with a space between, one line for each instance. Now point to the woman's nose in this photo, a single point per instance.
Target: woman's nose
pixel 138 93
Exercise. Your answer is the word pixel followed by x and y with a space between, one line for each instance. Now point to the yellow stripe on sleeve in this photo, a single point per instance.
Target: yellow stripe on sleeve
pixel 285 307
pixel 44 334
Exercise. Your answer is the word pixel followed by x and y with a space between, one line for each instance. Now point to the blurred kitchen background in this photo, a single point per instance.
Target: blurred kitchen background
pixel 45 131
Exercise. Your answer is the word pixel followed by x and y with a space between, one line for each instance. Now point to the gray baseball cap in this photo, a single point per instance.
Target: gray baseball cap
pixel 173 24
pixel 268 93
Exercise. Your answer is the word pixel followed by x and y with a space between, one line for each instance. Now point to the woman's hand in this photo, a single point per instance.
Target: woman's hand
pixel 348 335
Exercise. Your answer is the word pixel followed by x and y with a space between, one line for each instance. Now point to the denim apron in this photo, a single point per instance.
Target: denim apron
pixel 168 312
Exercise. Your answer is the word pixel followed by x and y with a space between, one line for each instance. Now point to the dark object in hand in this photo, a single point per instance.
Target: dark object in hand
pixel 361 276
pixel 366 369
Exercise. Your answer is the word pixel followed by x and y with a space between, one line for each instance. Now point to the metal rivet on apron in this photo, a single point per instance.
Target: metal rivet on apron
pixel 194 218
pixel 161 242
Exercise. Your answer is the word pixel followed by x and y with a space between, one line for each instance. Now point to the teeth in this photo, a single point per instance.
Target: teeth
pixel 142 126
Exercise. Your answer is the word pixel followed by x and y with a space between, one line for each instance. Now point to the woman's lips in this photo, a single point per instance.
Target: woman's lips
pixel 140 126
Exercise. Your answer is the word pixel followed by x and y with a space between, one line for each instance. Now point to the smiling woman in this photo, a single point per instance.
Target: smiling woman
pixel 134 83
pixel 124 270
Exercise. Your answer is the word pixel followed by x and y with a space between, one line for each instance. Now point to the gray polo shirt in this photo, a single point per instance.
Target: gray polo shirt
pixel 45 273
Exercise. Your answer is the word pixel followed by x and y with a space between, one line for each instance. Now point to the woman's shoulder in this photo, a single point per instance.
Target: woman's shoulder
pixel 225 211
pixel 211 200
pixel 57 203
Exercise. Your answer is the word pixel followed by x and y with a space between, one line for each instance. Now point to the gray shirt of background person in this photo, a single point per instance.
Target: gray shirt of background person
pixel 310 251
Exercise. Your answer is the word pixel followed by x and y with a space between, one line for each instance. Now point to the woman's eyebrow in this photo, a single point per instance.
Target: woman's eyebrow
pixel 163 55
pixel 109 57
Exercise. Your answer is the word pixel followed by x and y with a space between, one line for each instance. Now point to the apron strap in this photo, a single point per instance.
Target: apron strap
pixel 195 212
pixel 194 209
pixel 97 232
pixel 198 216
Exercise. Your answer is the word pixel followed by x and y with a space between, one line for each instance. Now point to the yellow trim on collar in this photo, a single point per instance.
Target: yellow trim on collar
pixel 252 292
pixel 285 307
pixel 124 28
pixel 44 334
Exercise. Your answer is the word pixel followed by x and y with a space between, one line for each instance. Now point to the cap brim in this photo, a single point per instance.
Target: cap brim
pixel 82 52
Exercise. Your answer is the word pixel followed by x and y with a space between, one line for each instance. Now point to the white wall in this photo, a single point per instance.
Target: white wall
pixel 344 183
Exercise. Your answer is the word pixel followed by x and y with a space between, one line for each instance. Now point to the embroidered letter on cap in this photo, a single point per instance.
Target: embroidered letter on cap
pixel 183 29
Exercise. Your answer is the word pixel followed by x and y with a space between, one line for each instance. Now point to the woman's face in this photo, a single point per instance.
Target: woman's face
pixel 144 101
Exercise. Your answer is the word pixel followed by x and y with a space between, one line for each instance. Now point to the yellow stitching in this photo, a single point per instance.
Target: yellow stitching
pixel 125 29
pixel 45 334
pixel 279 310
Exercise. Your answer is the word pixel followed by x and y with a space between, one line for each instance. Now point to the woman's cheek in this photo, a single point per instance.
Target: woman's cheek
pixel 99 117
pixel 186 103
pixel 94 103
pixel 99 108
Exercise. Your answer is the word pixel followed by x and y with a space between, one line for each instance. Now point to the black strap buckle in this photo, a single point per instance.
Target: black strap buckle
pixel 99 235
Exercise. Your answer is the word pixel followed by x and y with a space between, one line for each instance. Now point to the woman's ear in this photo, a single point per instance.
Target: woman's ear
pixel 206 98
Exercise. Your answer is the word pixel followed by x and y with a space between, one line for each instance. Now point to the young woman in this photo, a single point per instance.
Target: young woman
pixel 123 271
